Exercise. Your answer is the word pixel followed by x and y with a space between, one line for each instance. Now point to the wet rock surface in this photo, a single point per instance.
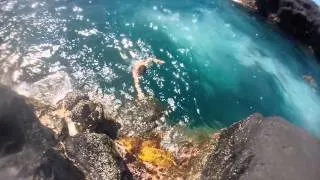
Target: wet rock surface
pixel 299 18
pixel 259 148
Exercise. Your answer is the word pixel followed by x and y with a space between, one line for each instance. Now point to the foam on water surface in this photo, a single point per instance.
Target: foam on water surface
pixel 221 64
pixel 242 66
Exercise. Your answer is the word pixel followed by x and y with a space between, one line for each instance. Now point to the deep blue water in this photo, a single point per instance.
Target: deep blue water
pixel 221 63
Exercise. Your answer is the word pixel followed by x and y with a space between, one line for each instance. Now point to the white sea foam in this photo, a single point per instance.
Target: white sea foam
pixel 207 40
pixel 9 5
pixel 219 49
pixel 77 9
pixel 88 32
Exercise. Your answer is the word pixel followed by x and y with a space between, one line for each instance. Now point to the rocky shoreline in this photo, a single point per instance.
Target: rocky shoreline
pixel 298 18
pixel 76 139
pixel 85 137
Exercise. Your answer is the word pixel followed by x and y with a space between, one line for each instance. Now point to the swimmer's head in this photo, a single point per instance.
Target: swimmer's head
pixel 142 70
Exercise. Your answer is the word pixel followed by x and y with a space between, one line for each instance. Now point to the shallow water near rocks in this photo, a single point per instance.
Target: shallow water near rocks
pixel 221 64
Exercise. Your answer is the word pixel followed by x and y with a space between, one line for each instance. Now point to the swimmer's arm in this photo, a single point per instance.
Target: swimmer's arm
pixel 137 86
pixel 157 61
pixel 153 60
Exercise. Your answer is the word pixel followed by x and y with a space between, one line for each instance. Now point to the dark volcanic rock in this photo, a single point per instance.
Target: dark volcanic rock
pixel 29 149
pixel 95 155
pixel 300 18
pixel 140 118
pixel 263 149
pixel 30 163
pixel 24 141
pixel 73 98
pixel 55 166
pixel 19 125
pixel 87 115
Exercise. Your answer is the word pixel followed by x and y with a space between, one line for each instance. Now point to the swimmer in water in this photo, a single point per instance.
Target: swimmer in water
pixel 139 69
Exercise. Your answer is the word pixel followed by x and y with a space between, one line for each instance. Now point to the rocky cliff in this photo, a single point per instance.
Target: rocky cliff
pixel 264 148
pixel 35 142
pixel 76 139
pixel 299 18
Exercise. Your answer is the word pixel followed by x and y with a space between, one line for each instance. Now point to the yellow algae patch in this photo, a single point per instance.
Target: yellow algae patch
pixel 155 156
pixel 148 151
pixel 129 144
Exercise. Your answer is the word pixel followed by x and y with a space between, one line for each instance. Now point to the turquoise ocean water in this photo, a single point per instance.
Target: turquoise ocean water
pixel 221 63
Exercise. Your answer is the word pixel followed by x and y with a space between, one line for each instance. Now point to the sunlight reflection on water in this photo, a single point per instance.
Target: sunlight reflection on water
pixel 221 64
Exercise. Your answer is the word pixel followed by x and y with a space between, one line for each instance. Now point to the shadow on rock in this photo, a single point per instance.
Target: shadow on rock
pixel 92 148
pixel 89 115
pixel 55 166
pixel 108 127
pixel 22 143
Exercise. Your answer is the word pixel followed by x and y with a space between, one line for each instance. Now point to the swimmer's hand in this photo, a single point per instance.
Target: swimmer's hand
pixel 157 61
pixel 160 62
